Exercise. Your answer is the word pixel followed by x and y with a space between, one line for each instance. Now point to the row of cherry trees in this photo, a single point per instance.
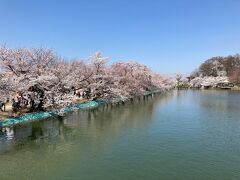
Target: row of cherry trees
pixel 201 81
pixel 210 81
pixel 44 76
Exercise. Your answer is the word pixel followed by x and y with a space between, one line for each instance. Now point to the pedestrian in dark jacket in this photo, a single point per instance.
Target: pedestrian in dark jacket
pixel 2 106
pixel 15 105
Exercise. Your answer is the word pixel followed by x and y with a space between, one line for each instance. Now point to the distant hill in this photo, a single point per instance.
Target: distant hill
pixel 218 66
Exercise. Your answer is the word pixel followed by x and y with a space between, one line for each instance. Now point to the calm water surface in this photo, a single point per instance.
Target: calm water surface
pixel 180 135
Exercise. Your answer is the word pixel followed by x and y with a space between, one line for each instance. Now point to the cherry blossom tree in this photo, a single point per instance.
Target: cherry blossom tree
pixel 50 80
pixel 210 81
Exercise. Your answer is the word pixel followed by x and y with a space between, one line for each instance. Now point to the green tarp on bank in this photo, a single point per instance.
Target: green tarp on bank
pixel 58 112
pixel 43 115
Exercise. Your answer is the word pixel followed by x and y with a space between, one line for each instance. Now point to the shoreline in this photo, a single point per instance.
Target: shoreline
pixel 211 88
pixel 58 112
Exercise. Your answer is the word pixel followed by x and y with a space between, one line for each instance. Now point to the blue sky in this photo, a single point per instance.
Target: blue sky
pixel 170 36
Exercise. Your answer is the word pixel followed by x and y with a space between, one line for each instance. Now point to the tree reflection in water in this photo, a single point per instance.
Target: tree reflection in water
pixel 89 126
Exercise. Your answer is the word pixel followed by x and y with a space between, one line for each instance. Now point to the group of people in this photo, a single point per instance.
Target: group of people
pixel 18 102
pixel 21 101
pixel 83 93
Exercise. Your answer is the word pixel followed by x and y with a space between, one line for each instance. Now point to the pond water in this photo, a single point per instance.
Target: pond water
pixel 179 135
